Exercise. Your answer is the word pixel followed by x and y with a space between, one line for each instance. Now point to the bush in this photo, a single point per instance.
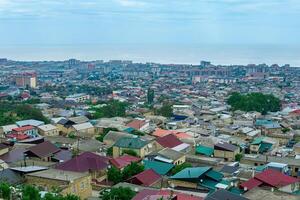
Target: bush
pixel 180 167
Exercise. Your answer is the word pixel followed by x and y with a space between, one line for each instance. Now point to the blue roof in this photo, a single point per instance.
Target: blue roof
pixel 191 173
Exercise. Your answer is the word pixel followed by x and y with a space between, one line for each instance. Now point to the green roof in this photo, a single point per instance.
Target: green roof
pixel 159 167
pixel 257 141
pixel 214 175
pixel 191 173
pixel 208 151
pixel 131 143
pixel 210 184
pixel 264 147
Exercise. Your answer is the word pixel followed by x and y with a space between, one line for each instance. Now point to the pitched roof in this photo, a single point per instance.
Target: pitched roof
pixel 250 184
pixel 85 162
pixel 145 178
pixel 159 167
pixel 169 141
pixel 79 119
pixel 29 122
pixel 47 127
pixel 275 178
pixel 43 149
pixel 224 195
pixel 123 161
pixel 132 143
pixel 82 126
pixel 149 194
pixel 225 146
pixel 170 154
pixel 191 173
pixel 208 151
pixel 136 124
pixel 23 128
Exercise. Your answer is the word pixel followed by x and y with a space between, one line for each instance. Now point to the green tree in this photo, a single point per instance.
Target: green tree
pixel 114 175
pixel 131 170
pixel 5 191
pixel 238 157
pixel 166 110
pixel 120 193
pixel 150 96
pixel 259 102
pixel 29 192
pixel 180 167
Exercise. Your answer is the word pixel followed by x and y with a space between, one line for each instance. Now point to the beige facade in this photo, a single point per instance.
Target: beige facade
pixel 79 186
pixel 227 155
pixel 142 152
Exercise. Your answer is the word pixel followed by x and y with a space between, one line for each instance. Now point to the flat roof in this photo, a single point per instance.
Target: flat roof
pixel 57 174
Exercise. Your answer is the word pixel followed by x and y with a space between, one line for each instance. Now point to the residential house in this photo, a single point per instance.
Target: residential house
pixel 67 181
pixel 48 130
pixel 30 122
pixel 146 178
pixel 84 130
pixel 204 178
pixel 296 148
pixel 168 155
pixel 89 162
pixel 123 161
pixel 261 145
pixel 7 129
pixel 226 151
pixel 138 145
pixel 79 119
pixel 224 195
pixel 23 133
pixel 113 136
pixel 48 152
pixel 204 150
pixel 161 168
pixel 147 194
pixel 65 126
pixel 171 141
pixel 274 179
pixel 259 160
pixel 141 125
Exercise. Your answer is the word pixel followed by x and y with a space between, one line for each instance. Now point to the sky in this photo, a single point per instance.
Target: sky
pixel 166 31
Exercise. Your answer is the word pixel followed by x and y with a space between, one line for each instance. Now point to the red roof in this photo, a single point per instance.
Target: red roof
pixel 297 112
pixel 145 178
pixel 18 136
pixel 123 161
pixel 147 194
pixel 24 128
pixel 85 162
pixel 275 178
pixel 169 141
pixel 136 124
pixel 251 183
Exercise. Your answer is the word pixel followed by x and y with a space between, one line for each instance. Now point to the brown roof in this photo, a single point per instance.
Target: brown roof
pixel 43 149
pixel 136 124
